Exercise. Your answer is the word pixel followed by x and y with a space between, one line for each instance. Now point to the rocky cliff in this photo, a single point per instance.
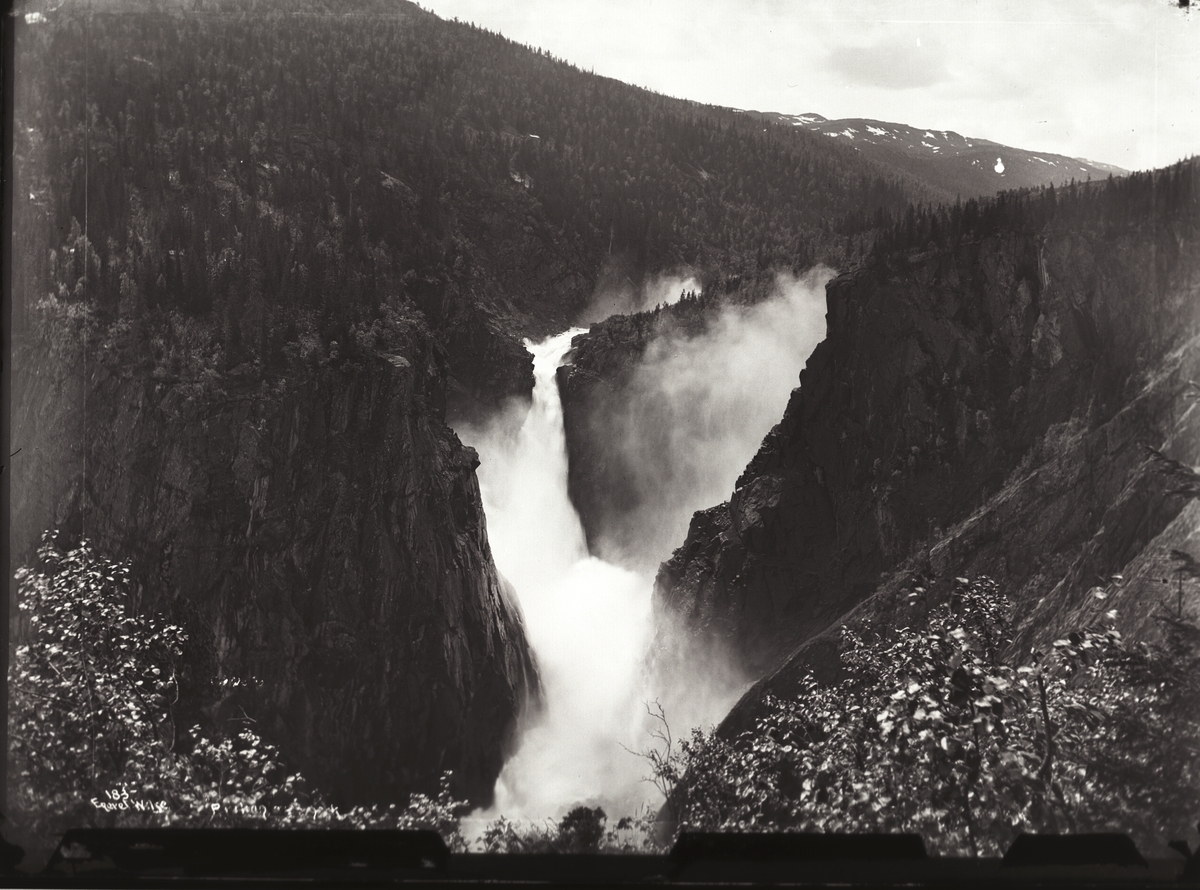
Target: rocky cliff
pixel 618 434
pixel 980 407
pixel 593 384
pixel 320 534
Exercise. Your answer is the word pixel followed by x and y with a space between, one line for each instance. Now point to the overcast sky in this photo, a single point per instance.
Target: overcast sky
pixel 1116 81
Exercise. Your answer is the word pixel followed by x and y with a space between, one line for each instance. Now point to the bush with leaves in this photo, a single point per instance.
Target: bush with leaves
pixel 934 731
pixel 1128 726
pixel 93 690
pixel 582 830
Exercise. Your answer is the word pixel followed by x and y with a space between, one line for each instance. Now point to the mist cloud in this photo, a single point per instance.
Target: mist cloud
pixel 697 409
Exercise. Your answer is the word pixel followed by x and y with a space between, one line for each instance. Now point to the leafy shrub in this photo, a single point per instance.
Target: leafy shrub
pixel 582 830
pixel 64 328
pixel 934 731
pixel 93 739
pixel 92 692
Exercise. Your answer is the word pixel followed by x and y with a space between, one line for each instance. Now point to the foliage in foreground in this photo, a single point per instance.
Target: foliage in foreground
pixel 582 830
pixel 94 688
pixel 92 721
pixel 932 730
pixel 935 731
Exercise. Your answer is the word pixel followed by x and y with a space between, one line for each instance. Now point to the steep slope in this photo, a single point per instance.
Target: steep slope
pixel 981 406
pixel 320 536
pixel 959 165
pixel 252 165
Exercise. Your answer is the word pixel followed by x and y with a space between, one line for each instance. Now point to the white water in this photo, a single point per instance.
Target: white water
pixel 589 623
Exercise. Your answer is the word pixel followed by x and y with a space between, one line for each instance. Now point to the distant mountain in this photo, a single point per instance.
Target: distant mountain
pixel 947 160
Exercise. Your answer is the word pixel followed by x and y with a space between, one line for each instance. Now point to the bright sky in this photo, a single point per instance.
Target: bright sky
pixel 1116 81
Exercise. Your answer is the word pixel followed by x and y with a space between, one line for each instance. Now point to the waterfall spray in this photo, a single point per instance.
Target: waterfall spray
pixel 589 622
pixel 695 411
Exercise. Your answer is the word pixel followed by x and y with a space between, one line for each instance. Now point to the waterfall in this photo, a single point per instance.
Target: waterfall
pixel 535 533
pixel 589 622
pixel 693 412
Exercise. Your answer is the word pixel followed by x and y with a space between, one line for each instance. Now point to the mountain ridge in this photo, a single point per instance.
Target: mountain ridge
pixel 965 166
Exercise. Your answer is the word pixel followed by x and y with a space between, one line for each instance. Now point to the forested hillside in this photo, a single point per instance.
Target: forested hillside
pixel 284 175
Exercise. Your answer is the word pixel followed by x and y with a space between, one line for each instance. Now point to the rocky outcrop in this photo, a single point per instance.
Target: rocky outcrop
pixel 487 362
pixel 598 389
pixel 517 276
pixel 981 408
pixel 591 383
pixel 489 365
pixel 321 536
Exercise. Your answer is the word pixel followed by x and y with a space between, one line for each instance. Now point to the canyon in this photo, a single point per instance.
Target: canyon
pixel 249 317
pixel 981 408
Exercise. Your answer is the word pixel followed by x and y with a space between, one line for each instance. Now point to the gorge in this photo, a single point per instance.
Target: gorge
pixel 589 617
pixel 305 361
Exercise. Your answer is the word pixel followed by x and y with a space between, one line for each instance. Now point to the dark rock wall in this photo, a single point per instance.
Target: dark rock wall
pixel 1084 507
pixel 974 409
pixel 321 537
pixel 596 383
pixel 592 384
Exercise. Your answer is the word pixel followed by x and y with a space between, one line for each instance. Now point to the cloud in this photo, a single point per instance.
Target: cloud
pixel 1112 80
pixel 890 66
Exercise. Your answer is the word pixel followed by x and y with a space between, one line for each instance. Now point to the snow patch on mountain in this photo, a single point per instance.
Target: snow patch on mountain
pixel 962 163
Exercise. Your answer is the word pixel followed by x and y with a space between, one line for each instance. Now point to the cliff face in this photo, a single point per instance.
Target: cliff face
pixel 592 383
pixel 320 536
pixel 975 409
pixel 619 433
